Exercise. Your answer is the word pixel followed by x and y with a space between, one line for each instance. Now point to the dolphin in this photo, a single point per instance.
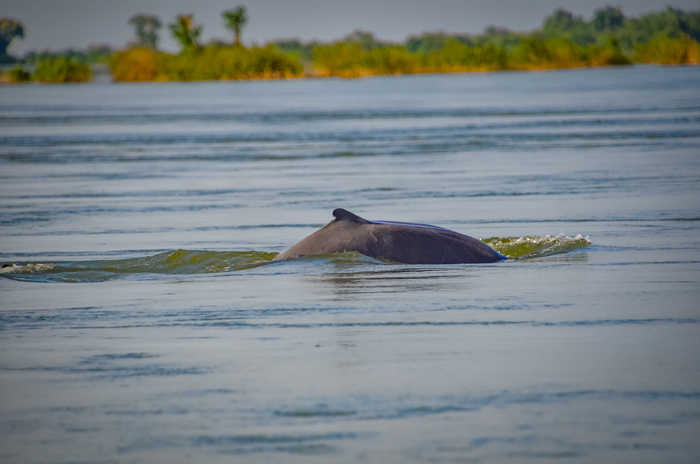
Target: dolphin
pixel 399 242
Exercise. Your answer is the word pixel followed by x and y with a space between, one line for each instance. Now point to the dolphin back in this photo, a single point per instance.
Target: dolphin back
pixel 393 241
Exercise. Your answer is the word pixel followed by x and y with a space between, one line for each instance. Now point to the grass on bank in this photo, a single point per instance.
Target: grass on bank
pixel 56 70
pixel 355 59
pixel 351 60
pixel 203 64
pixel 343 59
pixel 669 51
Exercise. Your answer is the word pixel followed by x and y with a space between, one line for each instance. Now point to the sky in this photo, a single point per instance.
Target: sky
pixel 60 24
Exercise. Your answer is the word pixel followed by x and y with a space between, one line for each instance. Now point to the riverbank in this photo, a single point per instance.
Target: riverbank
pixel 348 60
pixel 564 40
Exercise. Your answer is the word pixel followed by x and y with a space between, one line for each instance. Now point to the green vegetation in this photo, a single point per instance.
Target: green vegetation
pixel 496 36
pixel 629 32
pixel 564 40
pixel 351 60
pixel 95 54
pixel 205 63
pixel 135 65
pixel 147 27
pixel 666 50
pixel 55 70
pixel 196 62
pixel 296 48
pixel 235 20
pixel 60 70
pixel 10 29
pixel 535 53
pixel 18 75
pixel 186 32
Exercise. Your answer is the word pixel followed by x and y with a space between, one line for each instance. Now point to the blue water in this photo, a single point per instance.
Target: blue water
pixel 142 321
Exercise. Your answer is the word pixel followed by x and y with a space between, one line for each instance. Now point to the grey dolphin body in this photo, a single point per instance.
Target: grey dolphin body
pixel 393 241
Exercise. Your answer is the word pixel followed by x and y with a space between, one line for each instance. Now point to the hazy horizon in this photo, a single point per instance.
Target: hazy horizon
pixel 60 24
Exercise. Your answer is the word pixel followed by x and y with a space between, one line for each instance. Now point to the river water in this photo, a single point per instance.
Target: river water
pixel 143 321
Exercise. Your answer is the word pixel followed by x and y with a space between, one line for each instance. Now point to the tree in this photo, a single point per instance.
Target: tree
pixel 9 30
pixel 428 42
pixel 365 39
pixel 563 24
pixel 235 19
pixel 147 27
pixel 62 69
pixel 559 22
pixel 186 31
pixel 608 19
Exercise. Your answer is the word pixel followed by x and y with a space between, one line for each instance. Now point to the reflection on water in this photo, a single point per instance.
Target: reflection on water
pixel 393 279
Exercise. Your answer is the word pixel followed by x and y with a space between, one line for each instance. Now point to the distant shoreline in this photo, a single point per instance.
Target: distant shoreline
pixel 564 41
pixel 104 77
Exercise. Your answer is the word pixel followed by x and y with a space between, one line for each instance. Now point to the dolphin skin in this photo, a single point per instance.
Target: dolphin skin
pixel 393 241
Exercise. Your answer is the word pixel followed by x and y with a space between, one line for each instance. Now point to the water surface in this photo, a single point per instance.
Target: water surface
pixel 142 320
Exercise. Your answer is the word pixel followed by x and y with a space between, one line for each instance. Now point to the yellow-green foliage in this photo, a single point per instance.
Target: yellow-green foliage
pixel 565 41
pixel 458 57
pixel 534 53
pixel 18 75
pixel 351 60
pixel 204 64
pixel 340 59
pixel 62 69
pixel 664 50
pixel 608 54
pixel 390 60
pixel 134 65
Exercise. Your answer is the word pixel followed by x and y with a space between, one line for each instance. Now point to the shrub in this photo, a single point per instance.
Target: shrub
pixel 18 74
pixel 536 53
pixel 340 59
pixel 350 60
pixel 666 50
pixel 204 64
pixel 137 64
pixel 458 57
pixel 608 54
pixel 62 69
pixel 390 60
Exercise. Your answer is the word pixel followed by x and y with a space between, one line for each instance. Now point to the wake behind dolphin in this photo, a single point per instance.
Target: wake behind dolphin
pixel 347 233
pixel 393 241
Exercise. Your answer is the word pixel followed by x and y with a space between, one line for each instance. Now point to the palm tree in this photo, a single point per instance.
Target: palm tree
pixel 186 31
pixel 235 20
pixel 147 27
pixel 9 29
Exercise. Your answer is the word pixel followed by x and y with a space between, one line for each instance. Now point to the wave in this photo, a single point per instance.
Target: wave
pixel 194 262
pixel 182 262
pixel 536 246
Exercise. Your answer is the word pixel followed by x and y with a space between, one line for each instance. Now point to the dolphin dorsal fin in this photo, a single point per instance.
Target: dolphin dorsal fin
pixel 341 214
